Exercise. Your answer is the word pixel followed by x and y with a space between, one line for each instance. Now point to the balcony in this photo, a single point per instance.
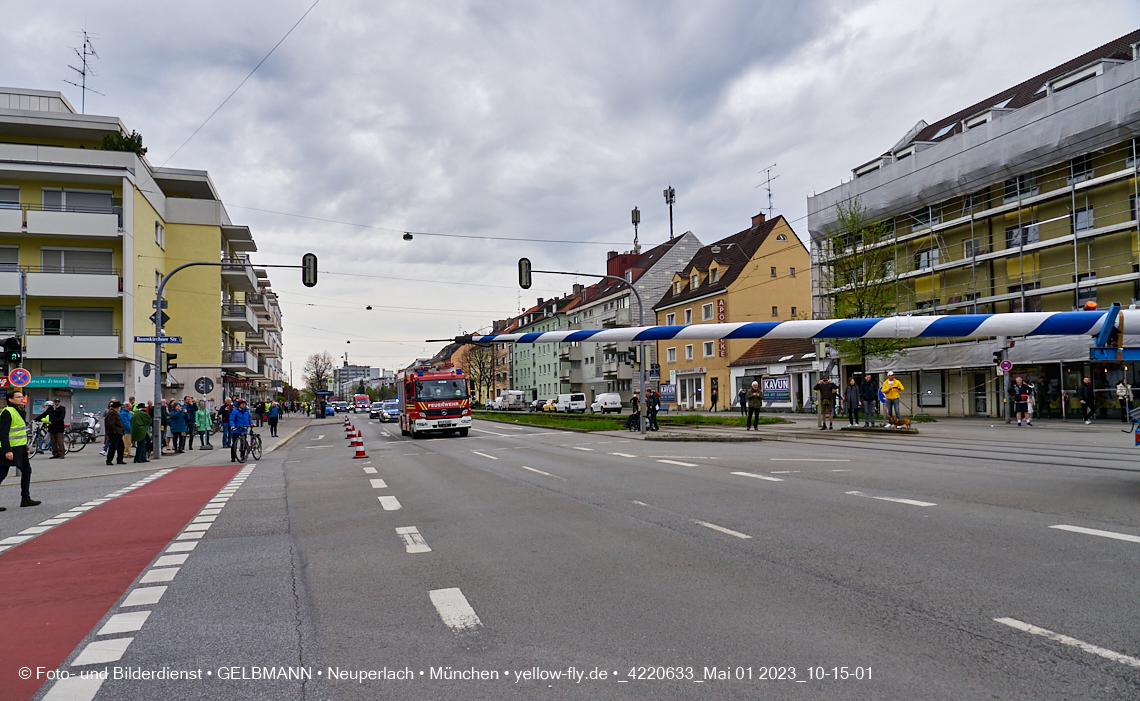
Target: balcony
pixel 101 283
pixel 258 339
pixel 239 317
pixel 87 344
pixel 238 273
pixel 256 300
pixel 239 359
pixel 617 371
pixel 621 318
pixel 80 222
pixel 272 320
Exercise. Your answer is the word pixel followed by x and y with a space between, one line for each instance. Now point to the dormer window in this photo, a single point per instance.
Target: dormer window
pixel 694 281
pixel 677 287
pixel 713 275
pixel 1079 76
pixel 977 120
pixel 909 151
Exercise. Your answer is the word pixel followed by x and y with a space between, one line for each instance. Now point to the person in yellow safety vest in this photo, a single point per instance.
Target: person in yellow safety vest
pixel 14 445
pixel 892 389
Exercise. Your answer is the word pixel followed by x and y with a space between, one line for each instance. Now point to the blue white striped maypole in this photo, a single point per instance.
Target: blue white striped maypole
pixel 1083 323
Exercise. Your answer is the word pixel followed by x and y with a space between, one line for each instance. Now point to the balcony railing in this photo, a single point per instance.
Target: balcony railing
pixel 255 299
pixel 234 310
pixel 116 209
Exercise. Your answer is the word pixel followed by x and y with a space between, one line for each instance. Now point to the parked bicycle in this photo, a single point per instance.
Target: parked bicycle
pixel 40 441
pixel 79 434
pixel 248 445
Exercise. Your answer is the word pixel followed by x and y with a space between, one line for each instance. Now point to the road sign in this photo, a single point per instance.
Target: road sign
pixel 203 385
pixel 158 339
pixel 165 318
pixel 154 304
pixel 1006 366
pixel 146 369
pixel 19 377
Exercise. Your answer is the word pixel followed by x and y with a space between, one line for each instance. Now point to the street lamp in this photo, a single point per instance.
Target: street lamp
pixel 670 197
pixel 636 217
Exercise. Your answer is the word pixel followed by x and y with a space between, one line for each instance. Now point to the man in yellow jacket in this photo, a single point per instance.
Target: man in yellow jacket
pixel 891 390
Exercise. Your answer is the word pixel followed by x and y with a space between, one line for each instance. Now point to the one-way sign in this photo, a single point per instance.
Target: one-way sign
pixel 165 318
pixel 158 339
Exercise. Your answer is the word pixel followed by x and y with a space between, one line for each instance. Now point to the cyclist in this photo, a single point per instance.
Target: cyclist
pixel 239 423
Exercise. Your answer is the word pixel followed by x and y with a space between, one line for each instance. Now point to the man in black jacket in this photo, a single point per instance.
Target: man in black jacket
pixel 869 392
pixel 1088 399
pixel 56 415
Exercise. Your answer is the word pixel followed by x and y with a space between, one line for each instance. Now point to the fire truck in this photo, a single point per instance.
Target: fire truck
pixel 433 400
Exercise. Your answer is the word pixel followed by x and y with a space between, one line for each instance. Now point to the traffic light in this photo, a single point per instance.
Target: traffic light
pixel 632 355
pixel 524 273
pixel 998 357
pixel 309 270
pixel 13 352
pixel 169 357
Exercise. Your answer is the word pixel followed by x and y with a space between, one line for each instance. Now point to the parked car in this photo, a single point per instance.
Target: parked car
pixel 330 410
pixel 536 405
pixel 550 405
pixel 571 403
pixel 495 404
pixel 607 402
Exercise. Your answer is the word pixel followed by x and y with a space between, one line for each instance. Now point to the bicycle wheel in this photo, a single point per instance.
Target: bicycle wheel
pixel 78 441
pixel 242 449
pixel 255 447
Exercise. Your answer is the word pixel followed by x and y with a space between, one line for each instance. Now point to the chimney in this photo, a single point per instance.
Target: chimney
pixel 577 289
pixel 611 254
pixel 540 301
pixel 757 220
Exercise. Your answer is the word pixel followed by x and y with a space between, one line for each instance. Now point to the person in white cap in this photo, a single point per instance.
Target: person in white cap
pixel 892 389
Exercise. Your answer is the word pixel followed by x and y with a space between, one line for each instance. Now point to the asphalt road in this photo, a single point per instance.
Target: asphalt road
pixel 926 567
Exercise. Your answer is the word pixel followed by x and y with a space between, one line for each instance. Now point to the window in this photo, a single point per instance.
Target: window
pixel 976 201
pixel 1021 186
pixel 972 247
pixel 793 312
pixel 670 319
pixel 9 197
pixel 706 312
pixel 775 311
pixel 694 281
pixel 927 304
pixel 713 275
pixel 708 349
pixel 8 320
pixel 629 276
pixel 926 259
pixel 1016 236
pixel 689 352
pixel 677 287
pixel 791 272
pixel 930 389
pixel 1086 293
pixel 1080 168
pixel 781 237
pixel 927 216
pixel 671 355
pixel 9 259
pixel 1032 302
pixel 76 260
pixel 78 322
pixel 688 316
pixel 160 235
pixel 97 201
pixel 773 271
pixel 1083 219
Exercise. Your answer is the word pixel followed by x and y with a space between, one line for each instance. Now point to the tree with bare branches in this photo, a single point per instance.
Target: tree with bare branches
pixel 481 370
pixel 318 372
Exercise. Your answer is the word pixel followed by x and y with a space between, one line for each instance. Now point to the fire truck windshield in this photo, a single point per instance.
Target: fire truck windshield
pixel 434 390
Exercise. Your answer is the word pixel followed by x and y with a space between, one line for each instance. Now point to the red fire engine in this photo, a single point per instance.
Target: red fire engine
pixel 433 400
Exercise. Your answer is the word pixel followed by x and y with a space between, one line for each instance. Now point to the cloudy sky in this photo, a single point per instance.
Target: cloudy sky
pixel 511 123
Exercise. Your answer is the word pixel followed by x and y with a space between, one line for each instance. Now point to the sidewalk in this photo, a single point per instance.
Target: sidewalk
pixel 89 463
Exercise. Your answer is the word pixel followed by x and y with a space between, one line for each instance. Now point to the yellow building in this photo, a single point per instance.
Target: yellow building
pixel 86 234
pixel 759 274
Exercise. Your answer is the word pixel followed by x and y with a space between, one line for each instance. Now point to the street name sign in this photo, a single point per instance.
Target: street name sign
pixel 158 339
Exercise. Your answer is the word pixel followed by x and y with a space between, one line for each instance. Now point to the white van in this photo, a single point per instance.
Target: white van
pixel 607 402
pixel 570 404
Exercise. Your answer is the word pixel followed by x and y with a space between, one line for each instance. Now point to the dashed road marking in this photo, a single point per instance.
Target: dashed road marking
pixel 912 502
pixel 124 623
pixel 542 473
pixel 841 470
pixel 480 430
pixel 390 503
pixel 453 608
pixel 163 575
pixel 319 437
pixel 722 529
pixel 759 477
pixel 677 462
pixel 370 470
pixel 1066 640
pixel 1102 534
pixel 379 484
pixel 484 455
pixel 624 455
pixel 102 651
pixel 578 447
pixel 144 596
pixel 413 541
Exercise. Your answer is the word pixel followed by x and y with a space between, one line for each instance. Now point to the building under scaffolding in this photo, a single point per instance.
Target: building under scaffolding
pixel 1025 201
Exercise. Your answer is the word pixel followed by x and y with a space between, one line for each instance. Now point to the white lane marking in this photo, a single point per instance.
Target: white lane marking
pixel 722 529
pixel 841 470
pixel 191 536
pixel 53 521
pixel 181 547
pixel 413 541
pixel 542 473
pixel 35 530
pixel 783 472
pixel 624 455
pixel 164 575
pixel 484 455
pixel 677 462
pixel 144 596
pixel 811 459
pixel 759 477
pixel 370 470
pixel 15 540
pixel 204 519
pixel 501 435
pixel 102 651
pixel 319 437
pixel 124 623
pixel 578 447
pixel 198 527
pixel 1087 647
pixel 170 560
pixel 210 512
pixel 1102 534
pixel 390 503
pixel 912 502
pixel 453 608
pixel 75 688
pixel 379 484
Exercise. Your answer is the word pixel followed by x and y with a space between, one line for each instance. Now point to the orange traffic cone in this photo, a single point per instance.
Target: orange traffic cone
pixel 355 442
pixel 359 451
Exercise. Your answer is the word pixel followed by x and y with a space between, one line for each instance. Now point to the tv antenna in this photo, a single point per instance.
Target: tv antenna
pixel 767 184
pixel 86 70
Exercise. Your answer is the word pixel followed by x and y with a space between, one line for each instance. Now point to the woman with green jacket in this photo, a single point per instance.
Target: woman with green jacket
pixel 140 429
pixel 204 422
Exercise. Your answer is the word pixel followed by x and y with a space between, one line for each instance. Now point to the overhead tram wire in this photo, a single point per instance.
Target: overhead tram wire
pixel 266 57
